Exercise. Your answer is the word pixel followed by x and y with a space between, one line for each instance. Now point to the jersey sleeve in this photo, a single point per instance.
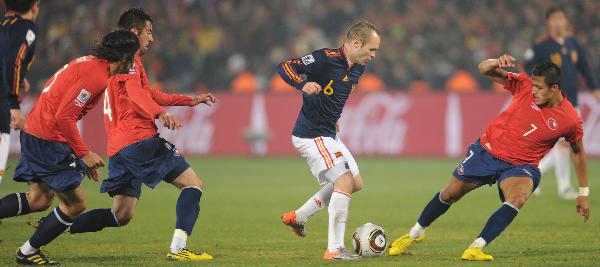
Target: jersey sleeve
pixel 584 68
pixel 291 70
pixel 18 58
pixel 70 109
pixel 576 134
pixel 515 82
pixel 140 97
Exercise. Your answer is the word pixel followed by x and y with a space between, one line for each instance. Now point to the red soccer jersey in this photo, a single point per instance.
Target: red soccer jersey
pixel 66 98
pixel 525 132
pixel 131 106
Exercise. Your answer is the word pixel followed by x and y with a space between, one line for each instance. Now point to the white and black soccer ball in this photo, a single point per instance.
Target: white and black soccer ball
pixel 369 240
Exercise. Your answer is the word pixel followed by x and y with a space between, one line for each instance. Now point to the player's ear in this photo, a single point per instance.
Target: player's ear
pixel 134 30
pixel 356 43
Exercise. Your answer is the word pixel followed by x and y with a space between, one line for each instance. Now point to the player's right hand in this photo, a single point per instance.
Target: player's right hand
pixel 311 88
pixel 506 61
pixel 583 207
pixel 169 121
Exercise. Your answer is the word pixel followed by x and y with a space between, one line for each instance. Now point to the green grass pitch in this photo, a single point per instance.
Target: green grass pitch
pixel 239 222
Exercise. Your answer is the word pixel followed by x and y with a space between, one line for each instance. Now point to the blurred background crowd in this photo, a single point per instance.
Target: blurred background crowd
pixel 236 44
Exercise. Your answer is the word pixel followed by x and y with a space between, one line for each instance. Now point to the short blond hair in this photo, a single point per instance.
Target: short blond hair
pixel 361 31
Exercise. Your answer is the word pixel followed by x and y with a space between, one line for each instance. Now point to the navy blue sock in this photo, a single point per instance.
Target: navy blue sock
pixel 94 221
pixel 53 225
pixel 498 222
pixel 434 209
pixel 188 208
pixel 14 205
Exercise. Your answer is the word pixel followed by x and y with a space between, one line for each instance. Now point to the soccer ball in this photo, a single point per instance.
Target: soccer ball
pixel 369 240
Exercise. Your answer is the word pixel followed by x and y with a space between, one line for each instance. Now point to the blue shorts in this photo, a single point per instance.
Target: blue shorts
pixel 480 167
pixel 49 162
pixel 149 161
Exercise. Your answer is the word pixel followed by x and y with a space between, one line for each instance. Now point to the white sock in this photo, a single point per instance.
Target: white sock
pixel 416 231
pixel 478 243
pixel 4 146
pixel 562 168
pixel 338 214
pixel 27 249
pixel 314 204
pixel 179 241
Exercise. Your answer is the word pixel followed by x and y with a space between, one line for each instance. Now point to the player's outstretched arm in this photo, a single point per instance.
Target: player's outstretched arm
pixel 580 163
pixel 493 68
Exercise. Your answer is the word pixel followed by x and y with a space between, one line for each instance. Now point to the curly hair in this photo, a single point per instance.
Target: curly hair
pixel 116 45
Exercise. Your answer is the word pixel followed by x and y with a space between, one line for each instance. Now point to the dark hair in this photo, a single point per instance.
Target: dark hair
pixel 361 31
pixel 549 71
pixel 116 45
pixel 20 6
pixel 133 17
pixel 553 10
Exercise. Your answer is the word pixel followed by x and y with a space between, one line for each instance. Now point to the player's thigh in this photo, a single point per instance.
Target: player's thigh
pixel 358 183
pixel 72 202
pixel 456 189
pixel 188 178
pixel 349 158
pixel 517 190
pixel 344 183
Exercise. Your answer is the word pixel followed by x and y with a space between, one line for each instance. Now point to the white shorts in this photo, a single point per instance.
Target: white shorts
pixel 324 153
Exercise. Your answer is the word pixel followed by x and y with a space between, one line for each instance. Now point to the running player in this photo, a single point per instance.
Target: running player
pixel 54 158
pixel 138 155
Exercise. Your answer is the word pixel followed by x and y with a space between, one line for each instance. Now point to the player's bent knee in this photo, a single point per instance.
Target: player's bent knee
pixel 124 217
pixel 517 200
pixel 75 209
pixel 358 185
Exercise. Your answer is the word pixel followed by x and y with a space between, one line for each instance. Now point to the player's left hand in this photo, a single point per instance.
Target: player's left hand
pixel 583 207
pixel 208 99
pixel 17 120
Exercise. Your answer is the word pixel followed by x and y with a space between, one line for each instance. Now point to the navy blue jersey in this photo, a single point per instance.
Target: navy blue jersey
pixel 330 69
pixel 570 57
pixel 17 47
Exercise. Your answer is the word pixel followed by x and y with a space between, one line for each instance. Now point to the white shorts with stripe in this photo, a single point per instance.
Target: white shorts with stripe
pixel 323 153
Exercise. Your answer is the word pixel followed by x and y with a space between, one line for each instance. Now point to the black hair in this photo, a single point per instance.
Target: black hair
pixel 133 17
pixel 116 45
pixel 553 10
pixel 20 6
pixel 549 71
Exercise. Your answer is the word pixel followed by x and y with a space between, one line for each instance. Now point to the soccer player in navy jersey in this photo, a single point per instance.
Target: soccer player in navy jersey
pixel 18 35
pixel 326 78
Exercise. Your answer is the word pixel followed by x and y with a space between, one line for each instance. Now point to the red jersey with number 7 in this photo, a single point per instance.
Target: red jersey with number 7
pixel 525 132
pixel 67 96
pixel 131 106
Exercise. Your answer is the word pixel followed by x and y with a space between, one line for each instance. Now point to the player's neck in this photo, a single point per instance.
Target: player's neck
pixel 345 52
pixel 27 15
pixel 557 37
pixel 555 101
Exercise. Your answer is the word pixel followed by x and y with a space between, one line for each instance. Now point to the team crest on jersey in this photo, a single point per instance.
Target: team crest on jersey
pixel 552 123
pixel 30 37
pixel 308 59
pixel 83 98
